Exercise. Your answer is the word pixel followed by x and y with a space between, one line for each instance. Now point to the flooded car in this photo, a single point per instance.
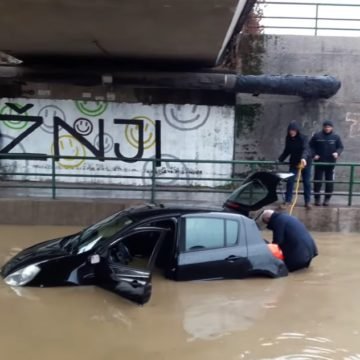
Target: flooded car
pixel 120 252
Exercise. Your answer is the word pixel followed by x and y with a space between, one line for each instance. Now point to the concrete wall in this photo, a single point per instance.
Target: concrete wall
pixel 83 212
pixel 169 131
pixel 261 121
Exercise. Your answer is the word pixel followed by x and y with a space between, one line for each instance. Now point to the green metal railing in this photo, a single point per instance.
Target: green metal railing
pixel 349 183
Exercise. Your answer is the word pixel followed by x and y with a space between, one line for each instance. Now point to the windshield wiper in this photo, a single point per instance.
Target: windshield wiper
pixel 69 243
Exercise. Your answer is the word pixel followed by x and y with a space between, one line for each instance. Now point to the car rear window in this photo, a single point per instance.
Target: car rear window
pixel 250 193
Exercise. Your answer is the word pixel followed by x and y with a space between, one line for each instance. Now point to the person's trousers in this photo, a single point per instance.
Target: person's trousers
pixel 320 171
pixel 306 178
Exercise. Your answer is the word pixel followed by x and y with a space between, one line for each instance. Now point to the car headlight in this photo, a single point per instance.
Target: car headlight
pixel 22 276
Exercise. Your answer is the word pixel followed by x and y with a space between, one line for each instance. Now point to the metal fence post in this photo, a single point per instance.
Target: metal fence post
pixel 316 19
pixel 153 180
pixel 252 167
pixel 53 178
pixel 351 184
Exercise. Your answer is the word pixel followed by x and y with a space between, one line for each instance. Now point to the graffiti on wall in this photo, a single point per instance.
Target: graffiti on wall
pixel 354 120
pixel 75 140
pixel 127 133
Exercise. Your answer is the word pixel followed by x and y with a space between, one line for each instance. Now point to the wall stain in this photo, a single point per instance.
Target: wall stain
pixel 246 116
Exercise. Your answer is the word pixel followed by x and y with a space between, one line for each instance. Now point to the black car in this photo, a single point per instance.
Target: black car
pixel 120 252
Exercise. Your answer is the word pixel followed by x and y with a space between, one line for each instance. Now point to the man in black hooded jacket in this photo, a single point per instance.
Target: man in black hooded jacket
pixel 326 147
pixel 293 238
pixel 296 145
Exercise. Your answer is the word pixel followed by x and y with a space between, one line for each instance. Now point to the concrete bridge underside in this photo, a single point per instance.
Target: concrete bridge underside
pixel 194 31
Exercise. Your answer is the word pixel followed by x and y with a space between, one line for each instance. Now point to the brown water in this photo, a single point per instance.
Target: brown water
pixel 314 314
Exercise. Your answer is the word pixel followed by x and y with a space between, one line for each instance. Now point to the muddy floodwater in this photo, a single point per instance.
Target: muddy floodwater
pixel 314 314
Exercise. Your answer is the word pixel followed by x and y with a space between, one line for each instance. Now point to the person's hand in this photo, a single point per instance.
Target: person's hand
pixel 335 155
pixel 316 157
pixel 303 163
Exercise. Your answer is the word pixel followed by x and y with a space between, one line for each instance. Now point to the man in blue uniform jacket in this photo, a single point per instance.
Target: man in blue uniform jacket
pixel 293 238
pixel 326 147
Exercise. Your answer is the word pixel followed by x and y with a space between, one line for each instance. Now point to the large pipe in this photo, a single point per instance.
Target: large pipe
pixel 300 85
pixel 315 87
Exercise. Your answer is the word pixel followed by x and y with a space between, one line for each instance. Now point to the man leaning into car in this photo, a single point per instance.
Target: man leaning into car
pixel 293 238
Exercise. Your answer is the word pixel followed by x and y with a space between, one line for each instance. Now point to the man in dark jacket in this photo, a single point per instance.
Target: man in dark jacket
pixel 293 238
pixel 326 147
pixel 296 145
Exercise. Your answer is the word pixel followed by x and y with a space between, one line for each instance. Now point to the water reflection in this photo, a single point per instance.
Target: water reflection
pixel 24 292
pixel 234 310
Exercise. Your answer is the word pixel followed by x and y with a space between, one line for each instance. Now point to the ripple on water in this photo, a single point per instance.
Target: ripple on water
pixel 312 348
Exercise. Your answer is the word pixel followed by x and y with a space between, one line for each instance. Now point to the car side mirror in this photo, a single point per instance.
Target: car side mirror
pixel 94 259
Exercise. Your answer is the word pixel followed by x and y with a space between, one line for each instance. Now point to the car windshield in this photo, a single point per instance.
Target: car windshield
pixel 102 230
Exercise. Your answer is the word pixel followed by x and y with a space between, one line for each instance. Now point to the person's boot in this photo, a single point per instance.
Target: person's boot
pixel 308 206
pixel 326 202
pixel 284 206
pixel 317 201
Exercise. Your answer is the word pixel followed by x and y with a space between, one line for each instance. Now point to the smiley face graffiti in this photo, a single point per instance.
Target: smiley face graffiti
pixel 48 113
pixel 132 133
pixel 83 126
pixel 69 146
pixel 186 117
pixel 174 170
pixel 14 124
pixel 108 142
pixel 91 108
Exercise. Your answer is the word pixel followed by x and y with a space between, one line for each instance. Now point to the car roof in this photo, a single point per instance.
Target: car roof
pixel 142 212
pixel 216 214
pixel 158 211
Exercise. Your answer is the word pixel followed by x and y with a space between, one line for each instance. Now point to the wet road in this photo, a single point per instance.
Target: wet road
pixel 314 314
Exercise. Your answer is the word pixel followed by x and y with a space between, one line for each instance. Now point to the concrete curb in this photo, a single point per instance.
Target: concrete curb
pixel 71 212
pixel 335 219
pixel 82 212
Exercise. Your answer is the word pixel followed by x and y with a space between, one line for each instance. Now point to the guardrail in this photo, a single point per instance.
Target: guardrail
pixel 312 18
pixel 349 185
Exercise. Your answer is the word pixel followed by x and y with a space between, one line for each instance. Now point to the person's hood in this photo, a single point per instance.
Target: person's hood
pixel 294 126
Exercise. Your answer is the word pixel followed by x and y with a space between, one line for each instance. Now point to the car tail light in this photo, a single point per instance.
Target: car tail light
pixel 231 205
pixel 276 251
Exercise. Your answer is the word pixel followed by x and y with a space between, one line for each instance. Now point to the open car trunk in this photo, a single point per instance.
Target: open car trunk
pixel 257 191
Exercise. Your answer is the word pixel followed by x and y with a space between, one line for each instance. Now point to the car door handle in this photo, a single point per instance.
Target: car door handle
pixel 232 258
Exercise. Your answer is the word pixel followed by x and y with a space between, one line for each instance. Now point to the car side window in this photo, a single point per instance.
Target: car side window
pixel 210 233
pixel 232 232
pixel 134 250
